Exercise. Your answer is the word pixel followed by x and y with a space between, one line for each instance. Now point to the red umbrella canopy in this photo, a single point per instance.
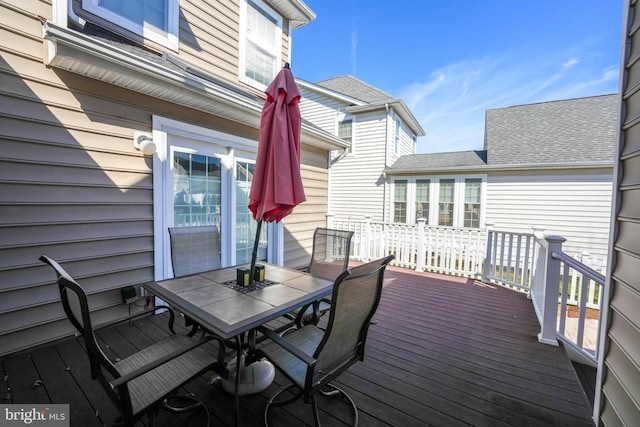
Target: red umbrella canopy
pixel 276 187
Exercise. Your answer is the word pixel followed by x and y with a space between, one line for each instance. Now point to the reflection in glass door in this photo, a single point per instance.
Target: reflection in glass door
pixel 246 226
pixel 197 190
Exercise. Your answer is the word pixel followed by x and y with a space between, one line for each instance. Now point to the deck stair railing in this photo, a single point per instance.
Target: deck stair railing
pixel 556 282
pixel 560 286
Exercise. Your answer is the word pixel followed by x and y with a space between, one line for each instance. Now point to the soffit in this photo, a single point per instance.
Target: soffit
pixel 161 78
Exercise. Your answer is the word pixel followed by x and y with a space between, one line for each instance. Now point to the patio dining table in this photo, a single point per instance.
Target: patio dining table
pixel 216 303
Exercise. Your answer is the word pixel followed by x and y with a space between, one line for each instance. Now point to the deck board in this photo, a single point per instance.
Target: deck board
pixel 444 351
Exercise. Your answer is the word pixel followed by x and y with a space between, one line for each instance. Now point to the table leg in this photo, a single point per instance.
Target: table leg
pixel 236 397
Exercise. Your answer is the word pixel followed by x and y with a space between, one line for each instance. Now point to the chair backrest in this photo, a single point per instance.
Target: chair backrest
pixel 331 250
pixel 76 307
pixel 194 249
pixel 355 298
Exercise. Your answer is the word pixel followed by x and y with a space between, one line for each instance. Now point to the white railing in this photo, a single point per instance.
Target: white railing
pixel 447 250
pixel 530 262
pixel 555 282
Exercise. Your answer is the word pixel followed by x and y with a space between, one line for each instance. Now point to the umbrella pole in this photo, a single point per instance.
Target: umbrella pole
pixel 254 255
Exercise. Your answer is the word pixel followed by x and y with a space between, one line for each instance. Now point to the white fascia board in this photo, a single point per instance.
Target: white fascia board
pixel 329 93
pixel 399 107
pixel 501 168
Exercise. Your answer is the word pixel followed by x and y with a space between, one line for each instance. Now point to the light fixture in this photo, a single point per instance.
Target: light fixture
pixel 144 142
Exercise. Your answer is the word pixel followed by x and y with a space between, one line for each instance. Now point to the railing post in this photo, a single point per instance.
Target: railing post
pixel 486 271
pixel 420 251
pixel 549 311
pixel 330 220
pixel 367 238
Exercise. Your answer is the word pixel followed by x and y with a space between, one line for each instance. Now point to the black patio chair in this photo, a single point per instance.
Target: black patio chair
pixel 311 357
pixel 194 249
pixel 148 380
pixel 329 258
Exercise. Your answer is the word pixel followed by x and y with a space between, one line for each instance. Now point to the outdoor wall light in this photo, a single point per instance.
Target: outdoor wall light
pixel 143 142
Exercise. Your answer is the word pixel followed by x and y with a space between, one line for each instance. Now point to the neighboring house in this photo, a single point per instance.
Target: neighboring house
pixel 378 127
pixel 81 83
pixel 546 165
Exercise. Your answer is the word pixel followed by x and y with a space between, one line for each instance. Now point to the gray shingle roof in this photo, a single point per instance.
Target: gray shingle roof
pixel 439 160
pixel 548 134
pixel 577 130
pixel 355 88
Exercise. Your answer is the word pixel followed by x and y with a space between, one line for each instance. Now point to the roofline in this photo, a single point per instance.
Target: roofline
pixel 296 11
pixel 400 107
pixel 81 54
pixel 499 168
pixel 329 92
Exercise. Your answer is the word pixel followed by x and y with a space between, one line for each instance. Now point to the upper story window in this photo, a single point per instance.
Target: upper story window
pixel 396 145
pixel 345 132
pixel 155 20
pixel 260 43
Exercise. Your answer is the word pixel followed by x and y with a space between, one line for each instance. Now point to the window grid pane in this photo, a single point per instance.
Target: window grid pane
pixel 197 190
pixel 246 226
pixel 472 202
pixel 445 203
pixel 400 201
pixel 422 199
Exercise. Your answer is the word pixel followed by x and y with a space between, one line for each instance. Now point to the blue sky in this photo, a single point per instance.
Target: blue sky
pixel 452 60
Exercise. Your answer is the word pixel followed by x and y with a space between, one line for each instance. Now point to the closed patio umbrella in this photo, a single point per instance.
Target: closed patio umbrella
pixel 276 187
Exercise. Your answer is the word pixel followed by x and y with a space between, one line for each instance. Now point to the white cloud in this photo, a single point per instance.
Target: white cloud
pixel 450 103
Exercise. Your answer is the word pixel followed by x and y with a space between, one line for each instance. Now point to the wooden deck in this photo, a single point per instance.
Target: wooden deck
pixel 444 351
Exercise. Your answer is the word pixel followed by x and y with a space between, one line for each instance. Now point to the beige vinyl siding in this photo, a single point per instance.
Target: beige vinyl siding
pixel 300 225
pixel 357 187
pixel 517 203
pixel 618 390
pixel 73 186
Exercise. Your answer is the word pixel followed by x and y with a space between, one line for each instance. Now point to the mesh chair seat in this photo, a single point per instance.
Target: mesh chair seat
pixel 141 383
pixel 329 258
pixel 311 357
pixel 161 381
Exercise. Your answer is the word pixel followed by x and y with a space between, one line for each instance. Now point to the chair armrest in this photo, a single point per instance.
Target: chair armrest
pixel 287 346
pixel 117 382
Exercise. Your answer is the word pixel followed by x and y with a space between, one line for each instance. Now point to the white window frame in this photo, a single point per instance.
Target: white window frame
pixel 167 37
pixel 434 200
pixel 242 52
pixel 397 133
pixel 341 118
pixel 196 139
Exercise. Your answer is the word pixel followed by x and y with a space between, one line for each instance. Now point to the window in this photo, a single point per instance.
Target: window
pixel 260 43
pixel 472 200
pixel 400 201
pixel 156 20
pixel 246 227
pixel 448 201
pixel 197 190
pixel 445 202
pixel 396 145
pixel 345 129
pixel 422 199
pixel 204 179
